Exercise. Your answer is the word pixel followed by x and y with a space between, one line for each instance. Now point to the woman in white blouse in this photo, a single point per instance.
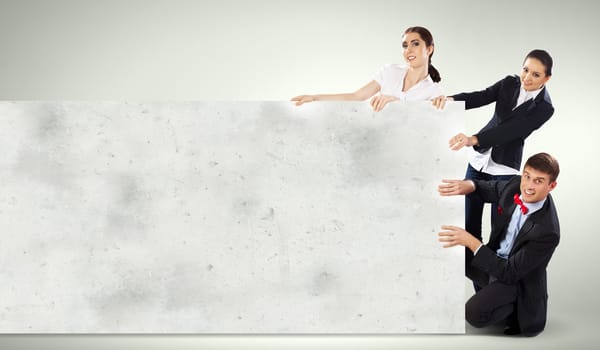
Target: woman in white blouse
pixel 417 80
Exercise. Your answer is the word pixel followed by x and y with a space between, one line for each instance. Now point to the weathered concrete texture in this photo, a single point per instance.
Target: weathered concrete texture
pixel 228 217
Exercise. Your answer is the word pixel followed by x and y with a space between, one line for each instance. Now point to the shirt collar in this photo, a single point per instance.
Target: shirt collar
pixel 535 206
pixel 530 94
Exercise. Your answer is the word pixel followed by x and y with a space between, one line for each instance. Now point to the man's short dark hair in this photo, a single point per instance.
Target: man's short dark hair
pixel 545 163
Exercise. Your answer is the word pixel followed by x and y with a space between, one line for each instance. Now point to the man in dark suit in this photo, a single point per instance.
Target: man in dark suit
pixel 511 267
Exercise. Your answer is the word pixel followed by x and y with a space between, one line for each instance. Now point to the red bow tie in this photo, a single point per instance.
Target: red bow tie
pixel 518 201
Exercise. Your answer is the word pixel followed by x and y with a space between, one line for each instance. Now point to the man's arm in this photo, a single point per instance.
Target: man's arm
pixel 456 187
pixel 453 236
pixel 488 190
pixel 529 257
pixel 491 191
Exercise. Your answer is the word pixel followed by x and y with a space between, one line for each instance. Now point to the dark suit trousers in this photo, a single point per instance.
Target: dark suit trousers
pixel 474 204
pixel 492 304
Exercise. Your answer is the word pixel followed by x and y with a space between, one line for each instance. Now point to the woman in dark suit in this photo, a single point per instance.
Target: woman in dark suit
pixel 522 106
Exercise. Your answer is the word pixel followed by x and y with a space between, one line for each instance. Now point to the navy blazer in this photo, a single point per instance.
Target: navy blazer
pixel 507 130
pixel 529 257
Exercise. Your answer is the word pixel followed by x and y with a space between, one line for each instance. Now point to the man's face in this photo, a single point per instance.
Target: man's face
pixel 535 185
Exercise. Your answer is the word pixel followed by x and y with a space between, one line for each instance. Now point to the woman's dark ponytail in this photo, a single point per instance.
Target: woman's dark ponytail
pixel 433 73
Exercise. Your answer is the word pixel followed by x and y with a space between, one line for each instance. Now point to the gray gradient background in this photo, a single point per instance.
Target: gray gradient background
pixel 273 50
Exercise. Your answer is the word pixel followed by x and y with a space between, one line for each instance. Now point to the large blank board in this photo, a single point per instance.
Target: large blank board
pixel 228 217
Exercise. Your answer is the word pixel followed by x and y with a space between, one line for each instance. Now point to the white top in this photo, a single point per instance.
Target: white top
pixel 526 96
pixel 391 80
pixel 483 161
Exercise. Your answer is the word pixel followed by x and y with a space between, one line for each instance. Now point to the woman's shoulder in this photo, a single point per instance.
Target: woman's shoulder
pixel 432 85
pixel 546 97
pixel 390 72
pixel 394 67
pixel 511 79
pixel 508 83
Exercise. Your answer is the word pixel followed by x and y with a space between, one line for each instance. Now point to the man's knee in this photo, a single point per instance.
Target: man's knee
pixel 475 315
pixel 482 309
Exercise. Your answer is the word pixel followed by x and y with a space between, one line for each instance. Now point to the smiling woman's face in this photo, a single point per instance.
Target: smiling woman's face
pixel 533 74
pixel 416 53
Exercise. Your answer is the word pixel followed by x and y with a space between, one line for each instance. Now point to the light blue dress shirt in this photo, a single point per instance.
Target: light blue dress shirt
pixel 516 223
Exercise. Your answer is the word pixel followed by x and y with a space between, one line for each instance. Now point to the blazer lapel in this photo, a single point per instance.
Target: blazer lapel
pixel 543 95
pixel 528 105
pixel 514 111
pixel 529 224
pixel 502 225
pixel 515 97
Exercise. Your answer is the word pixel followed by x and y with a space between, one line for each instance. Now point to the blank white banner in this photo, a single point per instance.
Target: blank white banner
pixel 228 217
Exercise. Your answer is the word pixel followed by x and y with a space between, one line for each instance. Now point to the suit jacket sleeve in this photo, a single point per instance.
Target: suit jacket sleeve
pixel 517 127
pixel 491 191
pixel 536 252
pixel 507 125
pixel 480 98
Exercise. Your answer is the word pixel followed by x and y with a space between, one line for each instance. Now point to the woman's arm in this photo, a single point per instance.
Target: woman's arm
pixel 515 128
pixel 440 101
pixel 483 97
pixel 361 94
